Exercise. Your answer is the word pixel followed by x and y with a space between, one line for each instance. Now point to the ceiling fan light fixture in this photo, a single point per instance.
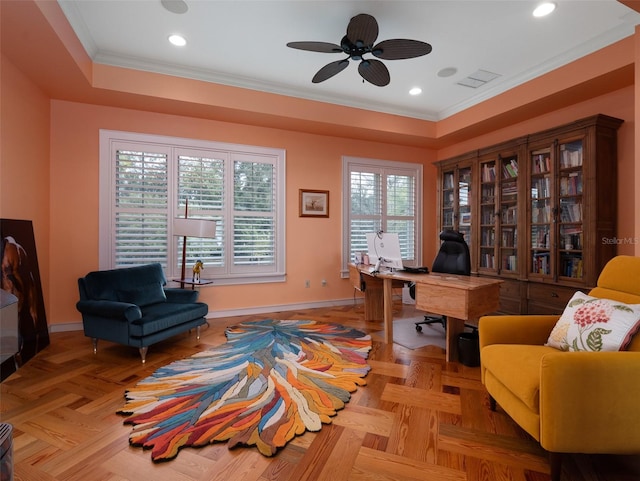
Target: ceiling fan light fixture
pixel 544 9
pixel 362 32
pixel 177 40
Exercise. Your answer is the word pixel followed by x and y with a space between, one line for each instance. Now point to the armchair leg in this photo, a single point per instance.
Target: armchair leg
pixel 492 403
pixel 555 462
pixel 143 353
pixel 94 341
pixel 198 333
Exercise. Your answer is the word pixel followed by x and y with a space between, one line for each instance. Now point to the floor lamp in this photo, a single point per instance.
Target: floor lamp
pixel 186 227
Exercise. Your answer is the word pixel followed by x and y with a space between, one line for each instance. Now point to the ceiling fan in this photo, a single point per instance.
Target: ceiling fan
pixel 362 31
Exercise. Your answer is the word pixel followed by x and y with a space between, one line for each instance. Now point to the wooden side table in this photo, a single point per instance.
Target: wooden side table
pixel 193 284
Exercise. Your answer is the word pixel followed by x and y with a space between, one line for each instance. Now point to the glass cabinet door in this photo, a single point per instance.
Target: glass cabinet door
pixel 448 196
pixel 456 201
pixel 570 210
pixel 487 259
pixel 464 204
pixel 509 214
pixel 541 213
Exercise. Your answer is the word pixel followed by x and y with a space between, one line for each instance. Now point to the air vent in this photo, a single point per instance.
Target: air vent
pixel 478 79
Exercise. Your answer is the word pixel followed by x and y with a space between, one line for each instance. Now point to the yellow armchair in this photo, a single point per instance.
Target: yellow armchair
pixel 570 402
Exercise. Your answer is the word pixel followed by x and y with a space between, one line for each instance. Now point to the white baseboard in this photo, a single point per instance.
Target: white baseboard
pixel 218 314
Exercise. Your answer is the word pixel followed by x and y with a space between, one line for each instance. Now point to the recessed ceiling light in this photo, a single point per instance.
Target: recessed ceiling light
pixel 177 40
pixel 415 91
pixel 544 9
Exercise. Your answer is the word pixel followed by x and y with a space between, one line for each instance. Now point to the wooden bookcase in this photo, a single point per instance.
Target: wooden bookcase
pixel 537 211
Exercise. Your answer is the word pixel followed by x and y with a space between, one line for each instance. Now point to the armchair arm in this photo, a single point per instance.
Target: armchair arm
pixel 181 296
pixel 589 402
pixel 532 330
pixel 110 309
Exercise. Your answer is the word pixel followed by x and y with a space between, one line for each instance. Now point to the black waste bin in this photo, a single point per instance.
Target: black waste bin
pixel 469 348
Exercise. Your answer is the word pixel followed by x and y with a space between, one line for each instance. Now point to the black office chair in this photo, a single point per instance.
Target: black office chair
pixel 452 258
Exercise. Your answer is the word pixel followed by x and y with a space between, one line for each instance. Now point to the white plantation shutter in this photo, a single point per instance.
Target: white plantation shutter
pixel 140 207
pixel 254 212
pixel 201 180
pixel 382 195
pixel 145 184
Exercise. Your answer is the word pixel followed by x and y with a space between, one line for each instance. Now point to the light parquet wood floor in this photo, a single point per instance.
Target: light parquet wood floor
pixel 418 418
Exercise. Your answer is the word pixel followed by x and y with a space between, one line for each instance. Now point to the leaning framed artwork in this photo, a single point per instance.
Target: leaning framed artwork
pixel 314 203
pixel 23 331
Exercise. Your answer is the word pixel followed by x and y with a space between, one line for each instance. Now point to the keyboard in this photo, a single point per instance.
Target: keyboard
pixel 416 270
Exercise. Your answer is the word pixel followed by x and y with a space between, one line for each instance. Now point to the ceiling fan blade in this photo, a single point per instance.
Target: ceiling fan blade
pixel 400 48
pixel 375 72
pixel 362 30
pixel 323 47
pixel 330 70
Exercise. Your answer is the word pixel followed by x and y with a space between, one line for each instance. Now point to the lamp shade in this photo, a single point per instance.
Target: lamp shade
pixel 194 227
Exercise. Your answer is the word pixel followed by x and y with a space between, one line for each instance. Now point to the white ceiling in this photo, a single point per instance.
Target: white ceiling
pixel 243 43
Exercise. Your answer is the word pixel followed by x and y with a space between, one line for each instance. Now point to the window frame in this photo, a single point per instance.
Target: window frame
pixel 386 167
pixel 111 141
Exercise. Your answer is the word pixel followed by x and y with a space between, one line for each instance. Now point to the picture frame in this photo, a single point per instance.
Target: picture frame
pixel 314 203
pixel 21 287
pixel 465 218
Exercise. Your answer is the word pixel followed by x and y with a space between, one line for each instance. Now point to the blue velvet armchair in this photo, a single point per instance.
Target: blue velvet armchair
pixel 132 306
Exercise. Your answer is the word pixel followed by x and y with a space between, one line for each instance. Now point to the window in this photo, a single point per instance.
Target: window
pixel 147 181
pixel 381 195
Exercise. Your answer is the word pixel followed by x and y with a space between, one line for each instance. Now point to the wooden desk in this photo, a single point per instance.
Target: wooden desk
pixel 460 298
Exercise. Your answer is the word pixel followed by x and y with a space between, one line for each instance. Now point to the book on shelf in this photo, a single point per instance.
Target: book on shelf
pixel 540 263
pixel 570 157
pixel 571 266
pixel 540 163
pixel 571 212
pixel 448 181
pixel 488 194
pixel 571 184
pixel 510 214
pixel 487 215
pixel 540 187
pixel 509 237
pixel 488 172
pixel 510 262
pixel 488 237
pixel 540 239
pixel 510 169
pixel 488 261
pixel 541 215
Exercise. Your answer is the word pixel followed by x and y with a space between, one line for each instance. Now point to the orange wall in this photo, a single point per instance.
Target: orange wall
pixel 312 162
pixel 24 160
pixel 49 174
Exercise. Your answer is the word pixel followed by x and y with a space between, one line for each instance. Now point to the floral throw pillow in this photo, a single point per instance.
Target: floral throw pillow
pixel 594 324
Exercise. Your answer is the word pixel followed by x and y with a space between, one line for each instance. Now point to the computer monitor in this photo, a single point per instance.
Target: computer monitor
pixel 384 250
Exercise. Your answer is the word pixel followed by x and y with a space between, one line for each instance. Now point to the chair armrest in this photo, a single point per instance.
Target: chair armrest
pixel 110 309
pixel 589 402
pixel 533 330
pixel 181 296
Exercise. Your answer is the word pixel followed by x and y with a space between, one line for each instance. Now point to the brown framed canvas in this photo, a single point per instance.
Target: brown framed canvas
pixel 314 203
pixel 21 287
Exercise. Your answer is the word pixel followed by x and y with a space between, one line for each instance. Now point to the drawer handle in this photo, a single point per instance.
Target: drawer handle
pixel 553 294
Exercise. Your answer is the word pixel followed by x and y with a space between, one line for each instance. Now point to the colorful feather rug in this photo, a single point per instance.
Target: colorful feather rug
pixel 271 380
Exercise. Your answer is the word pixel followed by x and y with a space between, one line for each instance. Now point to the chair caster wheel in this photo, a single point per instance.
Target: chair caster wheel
pixel 418 328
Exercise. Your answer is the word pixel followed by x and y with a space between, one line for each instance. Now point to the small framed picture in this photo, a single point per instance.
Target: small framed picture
pixel 314 203
pixel 465 218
